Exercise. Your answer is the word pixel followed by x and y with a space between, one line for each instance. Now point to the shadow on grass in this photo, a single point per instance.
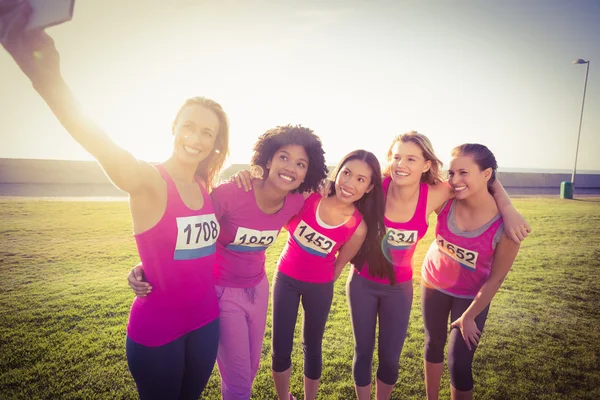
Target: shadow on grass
pixel 589 200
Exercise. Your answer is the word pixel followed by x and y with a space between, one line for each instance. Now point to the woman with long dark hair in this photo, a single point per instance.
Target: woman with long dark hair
pixel 324 236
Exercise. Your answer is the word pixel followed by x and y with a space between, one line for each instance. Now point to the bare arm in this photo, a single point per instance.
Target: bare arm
pixel 349 250
pixel 504 256
pixel 515 225
pixel 35 54
pixel 438 195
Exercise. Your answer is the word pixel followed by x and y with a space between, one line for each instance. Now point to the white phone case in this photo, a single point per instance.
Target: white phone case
pixel 49 12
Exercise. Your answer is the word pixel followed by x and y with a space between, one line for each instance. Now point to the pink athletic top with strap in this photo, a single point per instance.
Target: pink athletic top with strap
pixel 178 254
pixel 246 233
pixel 459 263
pixel 401 238
pixel 310 252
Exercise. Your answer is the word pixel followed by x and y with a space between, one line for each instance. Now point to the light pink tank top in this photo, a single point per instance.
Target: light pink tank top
pixel 459 263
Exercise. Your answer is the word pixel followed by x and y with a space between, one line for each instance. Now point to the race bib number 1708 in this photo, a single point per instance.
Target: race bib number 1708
pixel 196 236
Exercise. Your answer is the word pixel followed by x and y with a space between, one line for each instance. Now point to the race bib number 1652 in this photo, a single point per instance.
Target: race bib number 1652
pixel 196 236
pixel 465 257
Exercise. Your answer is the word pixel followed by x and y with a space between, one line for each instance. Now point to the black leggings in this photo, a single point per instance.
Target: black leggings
pixel 369 300
pixel 436 306
pixel 177 370
pixel 316 302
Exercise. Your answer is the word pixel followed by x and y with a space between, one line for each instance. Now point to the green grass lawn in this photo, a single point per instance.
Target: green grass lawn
pixel 64 303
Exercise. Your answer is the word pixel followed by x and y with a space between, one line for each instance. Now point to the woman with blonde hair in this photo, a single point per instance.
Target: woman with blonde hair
pixel 413 188
pixel 172 336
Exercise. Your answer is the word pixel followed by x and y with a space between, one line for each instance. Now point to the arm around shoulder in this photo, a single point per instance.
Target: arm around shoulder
pixel 439 193
pixel 515 225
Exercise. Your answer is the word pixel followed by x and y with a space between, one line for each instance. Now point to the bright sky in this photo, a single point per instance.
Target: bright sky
pixel 357 72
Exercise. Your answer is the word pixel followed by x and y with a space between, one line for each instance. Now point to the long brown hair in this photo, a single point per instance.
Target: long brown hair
pixel 372 207
pixel 209 168
pixel 433 175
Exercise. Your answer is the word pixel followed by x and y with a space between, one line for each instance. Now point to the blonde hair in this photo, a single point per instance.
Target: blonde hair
pixel 433 175
pixel 211 166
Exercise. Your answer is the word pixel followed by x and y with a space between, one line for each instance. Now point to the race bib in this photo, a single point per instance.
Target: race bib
pixel 252 240
pixel 466 258
pixel 399 239
pixel 312 241
pixel 196 236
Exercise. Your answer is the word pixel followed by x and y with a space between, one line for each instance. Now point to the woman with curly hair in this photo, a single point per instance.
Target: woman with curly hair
pixel 292 164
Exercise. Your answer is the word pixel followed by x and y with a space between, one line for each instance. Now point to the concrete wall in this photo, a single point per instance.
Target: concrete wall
pixel 21 171
pixel 547 180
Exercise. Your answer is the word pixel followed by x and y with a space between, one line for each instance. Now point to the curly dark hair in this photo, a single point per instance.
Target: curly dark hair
pixel 372 207
pixel 272 140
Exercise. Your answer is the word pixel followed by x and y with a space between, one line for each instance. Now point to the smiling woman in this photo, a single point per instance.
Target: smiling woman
pixel 172 337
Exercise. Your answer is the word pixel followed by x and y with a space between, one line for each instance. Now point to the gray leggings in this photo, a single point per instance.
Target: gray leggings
pixel 392 303
pixel 436 306
pixel 316 302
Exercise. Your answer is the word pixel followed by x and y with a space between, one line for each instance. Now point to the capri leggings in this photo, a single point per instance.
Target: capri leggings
pixel 392 303
pixel 316 301
pixel 177 370
pixel 436 306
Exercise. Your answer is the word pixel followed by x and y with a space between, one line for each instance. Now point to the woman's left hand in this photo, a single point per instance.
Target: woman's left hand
pixel 468 329
pixel 33 51
pixel 516 227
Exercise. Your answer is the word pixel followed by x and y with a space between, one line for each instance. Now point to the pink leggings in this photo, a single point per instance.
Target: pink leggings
pixel 243 321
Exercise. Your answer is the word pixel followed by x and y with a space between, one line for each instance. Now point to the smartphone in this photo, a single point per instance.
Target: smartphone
pixel 47 13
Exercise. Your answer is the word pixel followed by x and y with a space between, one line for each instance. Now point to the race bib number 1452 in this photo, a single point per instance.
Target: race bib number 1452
pixel 312 241
pixel 196 236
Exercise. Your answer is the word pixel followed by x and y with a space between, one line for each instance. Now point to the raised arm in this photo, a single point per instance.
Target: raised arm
pixel 350 248
pixel 504 256
pixel 36 55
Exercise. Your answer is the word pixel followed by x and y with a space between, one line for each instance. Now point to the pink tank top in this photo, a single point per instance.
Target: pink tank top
pixel 310 252
pixel 178 254
pixel 458 263
pixel 401 239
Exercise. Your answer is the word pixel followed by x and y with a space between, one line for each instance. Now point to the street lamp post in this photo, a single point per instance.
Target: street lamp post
pixel 587 69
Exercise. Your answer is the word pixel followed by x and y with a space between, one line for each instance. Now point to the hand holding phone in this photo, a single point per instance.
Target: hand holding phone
pixel 33 51
pixel 47 13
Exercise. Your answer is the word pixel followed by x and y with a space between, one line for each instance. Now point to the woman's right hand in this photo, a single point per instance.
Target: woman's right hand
pixel 34 50
pixel 137 283
pixel 243 179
